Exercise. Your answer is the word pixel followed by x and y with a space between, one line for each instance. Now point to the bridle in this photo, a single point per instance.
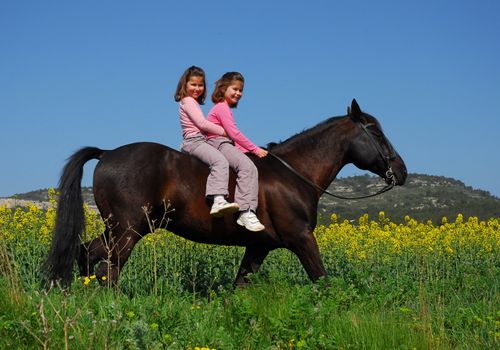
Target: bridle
pixel 389 174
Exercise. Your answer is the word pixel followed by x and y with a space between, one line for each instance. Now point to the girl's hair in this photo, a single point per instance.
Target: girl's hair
pixel 222 84
pixel 181 92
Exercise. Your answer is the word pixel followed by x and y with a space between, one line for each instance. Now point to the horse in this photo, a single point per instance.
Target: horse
pixel 148 175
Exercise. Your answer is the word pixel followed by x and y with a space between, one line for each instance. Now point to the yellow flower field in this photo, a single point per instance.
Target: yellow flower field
pixel 367 241
pixel 438 280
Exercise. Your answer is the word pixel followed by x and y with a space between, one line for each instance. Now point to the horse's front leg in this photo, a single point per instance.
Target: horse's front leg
pixel 253 258
pixel 306 248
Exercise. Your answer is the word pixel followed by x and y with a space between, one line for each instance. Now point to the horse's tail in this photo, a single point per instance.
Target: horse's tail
pixel 70 219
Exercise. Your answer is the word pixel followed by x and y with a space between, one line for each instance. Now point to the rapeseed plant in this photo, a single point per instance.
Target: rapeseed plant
pixel 366 240
pixel 359 253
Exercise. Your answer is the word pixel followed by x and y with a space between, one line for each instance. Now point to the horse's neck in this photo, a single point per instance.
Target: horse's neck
pixel 319 153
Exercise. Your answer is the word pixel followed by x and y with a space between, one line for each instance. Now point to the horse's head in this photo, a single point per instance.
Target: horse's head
pixel 371 150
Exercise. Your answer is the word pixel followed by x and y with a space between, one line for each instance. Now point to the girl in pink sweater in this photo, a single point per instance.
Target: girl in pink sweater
pixel 227 93
pixel 191 93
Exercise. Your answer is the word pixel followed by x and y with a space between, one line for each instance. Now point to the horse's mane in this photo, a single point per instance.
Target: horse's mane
pixel 304 136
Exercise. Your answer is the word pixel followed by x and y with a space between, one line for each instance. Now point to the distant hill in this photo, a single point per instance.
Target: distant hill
pixel 42 195
pixel 423 197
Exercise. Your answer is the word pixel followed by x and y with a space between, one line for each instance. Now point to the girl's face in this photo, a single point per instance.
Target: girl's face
pixel 233 92
pixel 195 87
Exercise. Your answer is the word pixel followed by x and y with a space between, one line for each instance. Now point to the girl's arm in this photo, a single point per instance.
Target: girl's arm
pixel 194 112
pixel 242 142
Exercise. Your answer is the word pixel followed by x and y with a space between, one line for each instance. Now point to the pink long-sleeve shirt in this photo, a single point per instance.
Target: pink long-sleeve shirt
pixel 193 121
pixel 221 114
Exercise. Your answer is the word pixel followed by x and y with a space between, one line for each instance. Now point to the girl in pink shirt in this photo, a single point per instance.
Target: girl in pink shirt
pixel 227 93
pixel 190 93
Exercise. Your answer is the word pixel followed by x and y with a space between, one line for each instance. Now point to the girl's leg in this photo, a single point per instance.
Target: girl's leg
pixel 218 179
pixel 247 183
pixel 246 194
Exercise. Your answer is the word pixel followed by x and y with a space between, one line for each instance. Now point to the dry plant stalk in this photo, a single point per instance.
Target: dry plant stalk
pixel 9 271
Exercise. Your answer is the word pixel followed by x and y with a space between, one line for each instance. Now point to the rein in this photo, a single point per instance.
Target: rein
pixel 389 173
pixel 303 178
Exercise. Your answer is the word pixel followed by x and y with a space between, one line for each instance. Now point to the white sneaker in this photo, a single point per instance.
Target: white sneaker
pixel 220 208
pixel 250 221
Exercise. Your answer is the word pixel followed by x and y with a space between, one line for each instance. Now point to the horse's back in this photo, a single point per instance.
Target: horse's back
pixel 134 163
pixel 143 174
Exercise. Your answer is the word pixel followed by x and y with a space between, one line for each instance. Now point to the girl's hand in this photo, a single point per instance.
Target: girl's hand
pixel 262 153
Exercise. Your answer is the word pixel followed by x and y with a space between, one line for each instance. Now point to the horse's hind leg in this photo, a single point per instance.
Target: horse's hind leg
pixel 91 253
pixel 308 253
pixel 253 258
pixel 118 248
pixel 109 252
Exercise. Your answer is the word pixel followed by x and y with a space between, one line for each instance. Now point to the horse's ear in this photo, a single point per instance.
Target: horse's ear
pixel 355 111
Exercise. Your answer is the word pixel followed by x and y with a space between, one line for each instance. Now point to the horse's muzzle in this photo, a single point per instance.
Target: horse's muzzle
pixel 396 177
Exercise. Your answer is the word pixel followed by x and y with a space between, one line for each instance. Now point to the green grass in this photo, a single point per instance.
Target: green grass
pixel 265 315
pixel 269 314
pixel 175 294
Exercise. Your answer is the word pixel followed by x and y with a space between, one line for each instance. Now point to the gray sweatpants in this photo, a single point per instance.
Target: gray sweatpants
pixel 247 181
pixel 218 179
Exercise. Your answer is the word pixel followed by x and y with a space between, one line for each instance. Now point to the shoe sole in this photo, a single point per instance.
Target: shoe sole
pixel 227 210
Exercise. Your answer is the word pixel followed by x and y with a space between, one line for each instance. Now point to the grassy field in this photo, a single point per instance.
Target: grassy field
pixel 408 286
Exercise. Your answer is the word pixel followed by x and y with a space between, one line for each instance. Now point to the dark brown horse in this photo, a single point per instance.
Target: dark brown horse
pixel 145 174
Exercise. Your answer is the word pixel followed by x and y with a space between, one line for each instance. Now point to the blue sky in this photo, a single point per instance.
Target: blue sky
pixel 103 73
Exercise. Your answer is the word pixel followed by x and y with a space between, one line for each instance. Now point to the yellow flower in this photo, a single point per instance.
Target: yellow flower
pixel 334 218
